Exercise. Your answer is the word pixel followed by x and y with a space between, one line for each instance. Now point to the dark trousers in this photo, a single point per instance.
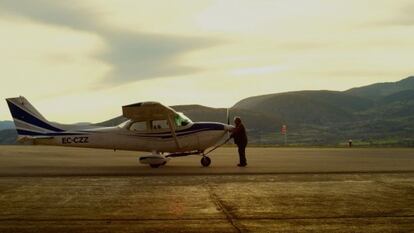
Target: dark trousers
pixel 242 153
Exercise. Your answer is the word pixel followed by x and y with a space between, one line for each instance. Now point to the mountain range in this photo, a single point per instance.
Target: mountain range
pixel 378 114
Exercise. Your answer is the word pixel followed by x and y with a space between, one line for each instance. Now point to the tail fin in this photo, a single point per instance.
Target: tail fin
pixel 28 121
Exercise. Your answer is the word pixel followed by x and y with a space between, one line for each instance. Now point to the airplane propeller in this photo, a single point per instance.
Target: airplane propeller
pixel 228 123
pixel 228 116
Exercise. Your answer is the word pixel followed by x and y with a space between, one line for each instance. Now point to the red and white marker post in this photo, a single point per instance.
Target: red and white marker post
pixel 284 132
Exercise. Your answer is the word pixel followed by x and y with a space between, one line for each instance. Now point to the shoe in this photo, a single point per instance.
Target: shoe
pixel 241 165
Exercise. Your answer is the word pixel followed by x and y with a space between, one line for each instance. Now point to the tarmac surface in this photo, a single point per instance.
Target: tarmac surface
pixel 51 189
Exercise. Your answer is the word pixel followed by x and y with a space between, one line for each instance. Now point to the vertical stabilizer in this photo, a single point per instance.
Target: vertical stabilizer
pixel 28 121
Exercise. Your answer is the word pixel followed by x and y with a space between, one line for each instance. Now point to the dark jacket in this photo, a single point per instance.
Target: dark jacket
pixel 239 135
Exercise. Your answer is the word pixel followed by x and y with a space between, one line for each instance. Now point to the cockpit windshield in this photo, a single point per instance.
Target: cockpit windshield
pixel 181 120
pixel 124 124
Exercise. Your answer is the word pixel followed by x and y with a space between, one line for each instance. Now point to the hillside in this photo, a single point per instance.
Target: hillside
pixel 378 114
pixel 8 136
pixel 398 105
pixel 307 107
pixel 379 90
pixel 6 125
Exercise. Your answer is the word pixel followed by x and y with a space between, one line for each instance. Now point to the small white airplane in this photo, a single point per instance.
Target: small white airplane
pixel 151 127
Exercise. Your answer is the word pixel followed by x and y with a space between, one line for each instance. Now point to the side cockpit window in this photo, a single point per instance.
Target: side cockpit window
pixel 138 126
pixel 160 124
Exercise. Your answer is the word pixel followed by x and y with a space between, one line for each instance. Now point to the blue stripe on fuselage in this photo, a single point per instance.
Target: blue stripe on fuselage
pixel 195 128
pixel 206 125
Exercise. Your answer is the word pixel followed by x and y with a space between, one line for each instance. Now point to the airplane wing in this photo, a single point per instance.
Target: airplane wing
pixel 145 111
pixel 150 111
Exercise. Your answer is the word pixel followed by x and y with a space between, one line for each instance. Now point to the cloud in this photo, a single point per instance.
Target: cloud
pixel 147 56
pixel 405 16
pixel 62 13
pixel 133 55
pixel 402 17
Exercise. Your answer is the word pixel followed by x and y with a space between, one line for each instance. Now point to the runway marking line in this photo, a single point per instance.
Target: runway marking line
pixel 230 218
pixel 201 219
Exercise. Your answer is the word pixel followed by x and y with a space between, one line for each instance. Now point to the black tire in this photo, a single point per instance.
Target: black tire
pixel 155 165
pixel 205 161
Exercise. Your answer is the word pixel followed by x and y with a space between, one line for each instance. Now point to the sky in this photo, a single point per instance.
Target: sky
pixel 81 60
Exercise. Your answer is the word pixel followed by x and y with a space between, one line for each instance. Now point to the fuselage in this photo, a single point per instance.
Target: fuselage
pixel 196 136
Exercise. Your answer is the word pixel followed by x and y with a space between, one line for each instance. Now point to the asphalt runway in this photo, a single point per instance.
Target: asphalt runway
pixel 51 189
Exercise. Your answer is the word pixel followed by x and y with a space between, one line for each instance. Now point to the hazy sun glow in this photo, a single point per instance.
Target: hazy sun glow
pixel 82 60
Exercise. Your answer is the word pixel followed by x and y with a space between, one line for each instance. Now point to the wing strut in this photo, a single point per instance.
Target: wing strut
pixel 170 123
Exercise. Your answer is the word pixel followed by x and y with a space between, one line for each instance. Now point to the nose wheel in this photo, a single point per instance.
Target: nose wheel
pixel 205 161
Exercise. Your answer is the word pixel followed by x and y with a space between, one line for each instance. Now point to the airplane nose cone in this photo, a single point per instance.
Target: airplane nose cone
pixel 228 127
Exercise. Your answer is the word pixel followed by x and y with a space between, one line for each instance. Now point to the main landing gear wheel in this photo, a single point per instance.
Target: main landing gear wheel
pixel 205 161
pixel 158 165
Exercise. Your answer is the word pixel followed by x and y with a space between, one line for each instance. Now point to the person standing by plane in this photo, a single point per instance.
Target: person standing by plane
pixel 238 133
